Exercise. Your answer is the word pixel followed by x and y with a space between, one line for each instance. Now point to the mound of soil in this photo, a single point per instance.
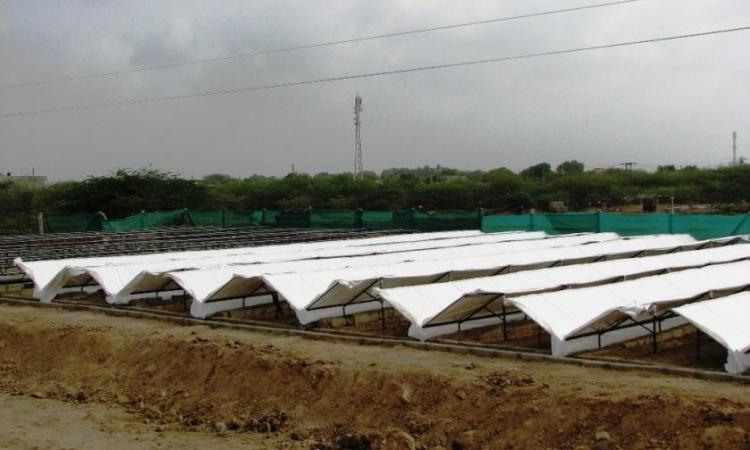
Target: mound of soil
pixel 326 395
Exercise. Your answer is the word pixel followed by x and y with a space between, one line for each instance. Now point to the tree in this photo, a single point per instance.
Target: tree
pixel 570 167
pixel 540 170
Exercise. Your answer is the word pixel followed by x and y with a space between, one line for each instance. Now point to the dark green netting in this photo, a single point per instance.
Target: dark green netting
pixel 265 217
pixel 291 219
pixel 207 218
pixel 159 219
pixel 256 217
pixel 448 220
pixel 405 218
pixel 496 224
pixel 335 219
pixel 635 224
pixel 72 223
pixel 708 226
pixel 453 220
pixel 238 219
pixel 573 222
pixel 699 226
pixel 377 220
pixel 743 226
pixel 222 218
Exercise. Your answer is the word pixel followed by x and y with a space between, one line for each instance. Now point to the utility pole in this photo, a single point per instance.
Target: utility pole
pixel 734 148
pixel 357 138
pixel 628 165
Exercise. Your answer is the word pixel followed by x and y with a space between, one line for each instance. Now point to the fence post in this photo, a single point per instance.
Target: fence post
pixel 309 217
pixel 480 215
pixel 40 221
pixel 186 214
pixel 599 221
pixel 358 221
pixel 223 218
pixel 531 220
pixel 412 211
pixel 263 218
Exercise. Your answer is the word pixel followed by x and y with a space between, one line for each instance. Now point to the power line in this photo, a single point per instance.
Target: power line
pixel 364 75
pixel 313 46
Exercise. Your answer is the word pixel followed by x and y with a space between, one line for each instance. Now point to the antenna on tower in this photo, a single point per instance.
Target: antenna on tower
pixel 357 138
pixel 734 148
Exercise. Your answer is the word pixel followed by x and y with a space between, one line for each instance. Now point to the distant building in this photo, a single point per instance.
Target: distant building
pixel 23 179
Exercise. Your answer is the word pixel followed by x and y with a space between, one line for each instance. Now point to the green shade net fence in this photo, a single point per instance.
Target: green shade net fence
pixel 66 223
pixel 699 226
pixel 144 220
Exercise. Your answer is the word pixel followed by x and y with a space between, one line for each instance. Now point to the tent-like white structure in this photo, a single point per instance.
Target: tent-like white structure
pixel 587 318
pixel 726 321
pixel 113 277
pixel 445 308
pixel 301 285
pixel 43 272
pixel 332 293
pixel 153 278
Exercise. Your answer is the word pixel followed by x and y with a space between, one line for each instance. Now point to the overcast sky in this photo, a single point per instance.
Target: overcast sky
pixel 675 102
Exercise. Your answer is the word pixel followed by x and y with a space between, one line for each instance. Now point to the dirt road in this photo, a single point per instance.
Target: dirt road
pixel 119 381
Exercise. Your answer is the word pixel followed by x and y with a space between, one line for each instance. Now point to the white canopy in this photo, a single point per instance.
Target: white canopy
pixel 115 278
pixel 43 272
pixel 725 320
pixel 570 314
pixel 317 295
pixel 444 308
pixel 152 278
pixel 301 288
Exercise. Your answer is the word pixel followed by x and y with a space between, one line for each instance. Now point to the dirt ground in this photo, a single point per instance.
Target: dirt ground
pixel 79 380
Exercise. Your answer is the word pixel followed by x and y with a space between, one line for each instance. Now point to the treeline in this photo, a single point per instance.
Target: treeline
pixel 127 192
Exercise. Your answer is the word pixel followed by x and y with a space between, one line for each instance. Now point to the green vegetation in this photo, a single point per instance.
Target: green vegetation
pixel 127 192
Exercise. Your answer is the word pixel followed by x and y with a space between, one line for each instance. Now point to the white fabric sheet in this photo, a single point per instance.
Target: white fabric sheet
pixel 43 272
pixel 726 321
pixel 564 314
pixel 119 280
pixel 317 295
pixel 422 305
pixel 196 284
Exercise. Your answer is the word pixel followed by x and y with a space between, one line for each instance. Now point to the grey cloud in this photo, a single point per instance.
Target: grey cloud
pixel 663 103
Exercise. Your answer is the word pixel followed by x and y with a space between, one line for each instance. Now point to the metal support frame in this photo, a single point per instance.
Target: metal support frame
pixel 253 293
pixel 697 343
pixel 275 297
pixel 656 319
pixel 624 323
pixel 353 299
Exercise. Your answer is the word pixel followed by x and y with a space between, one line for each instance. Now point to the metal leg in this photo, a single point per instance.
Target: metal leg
pixel 697 343
pixel 653 334
pixel 275 297
pixel 382 314
pixel 505 323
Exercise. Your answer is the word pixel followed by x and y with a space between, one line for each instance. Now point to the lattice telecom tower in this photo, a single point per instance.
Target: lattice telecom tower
pixel 357 138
